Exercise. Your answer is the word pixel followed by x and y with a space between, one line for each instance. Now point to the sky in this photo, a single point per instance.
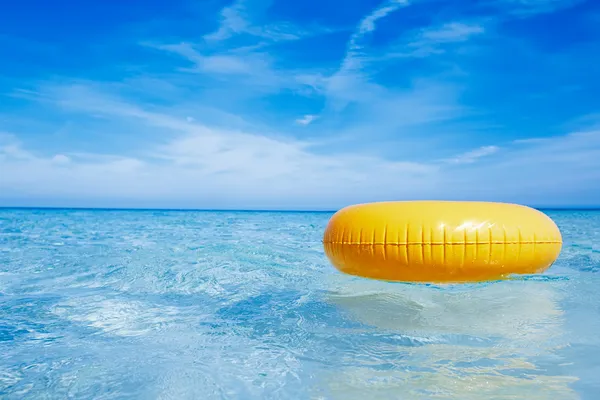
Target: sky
pixel 305 105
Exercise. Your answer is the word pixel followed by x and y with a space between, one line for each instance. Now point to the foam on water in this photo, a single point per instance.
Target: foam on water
pixel 98 304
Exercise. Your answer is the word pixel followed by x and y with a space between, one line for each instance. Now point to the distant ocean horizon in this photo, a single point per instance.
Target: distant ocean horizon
pixel 266 210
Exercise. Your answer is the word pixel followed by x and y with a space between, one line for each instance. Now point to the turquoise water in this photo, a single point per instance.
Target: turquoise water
pixel 98 304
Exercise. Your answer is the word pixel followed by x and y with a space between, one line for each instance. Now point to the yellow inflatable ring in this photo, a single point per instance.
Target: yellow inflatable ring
pixel 441 241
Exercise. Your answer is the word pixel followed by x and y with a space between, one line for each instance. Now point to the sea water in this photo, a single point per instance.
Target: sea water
pixel 101 304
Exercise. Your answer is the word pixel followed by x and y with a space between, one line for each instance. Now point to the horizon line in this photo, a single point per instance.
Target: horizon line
pixel 65 208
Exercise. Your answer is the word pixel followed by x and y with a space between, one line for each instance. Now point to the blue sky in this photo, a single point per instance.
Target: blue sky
pixel 299 105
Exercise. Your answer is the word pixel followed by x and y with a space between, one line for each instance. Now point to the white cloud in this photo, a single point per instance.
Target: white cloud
pixel 530 7
pixel 60 159
pixel 225 64
pixel 367 24
pixel 551 171
pixel 202 163
pixel 235 20
pixel 232 22
pixel 353 83
pixel 378 111
pixel 352 60
pixel 245 68
pixel 579 150
pixel 306 120
pixel 473 155
pixel 200 166
pixel 451 32
pixel 437 39
pixel 253 72
pixel 15 152
pixel 197 160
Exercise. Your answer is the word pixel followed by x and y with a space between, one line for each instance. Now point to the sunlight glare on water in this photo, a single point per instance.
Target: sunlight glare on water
pixel 98 304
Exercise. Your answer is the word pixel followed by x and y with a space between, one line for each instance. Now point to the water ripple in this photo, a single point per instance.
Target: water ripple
pixel 229 305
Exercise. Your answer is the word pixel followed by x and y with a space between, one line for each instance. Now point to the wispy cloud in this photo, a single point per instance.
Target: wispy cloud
pixel 381 110
pixel 236 21
pixel 473 155
pixel 451 32
pixel 367 25
pixel 251 115
pixel 306 120
pixel 248 68
pixel 231 63
pixel 435 40
pixel 232 22
pixel 348 81
pixel 203 159
pixel 265 171
pixel 530 7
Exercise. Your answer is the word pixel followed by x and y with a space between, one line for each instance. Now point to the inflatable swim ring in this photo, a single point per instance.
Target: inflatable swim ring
pixel 441 241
